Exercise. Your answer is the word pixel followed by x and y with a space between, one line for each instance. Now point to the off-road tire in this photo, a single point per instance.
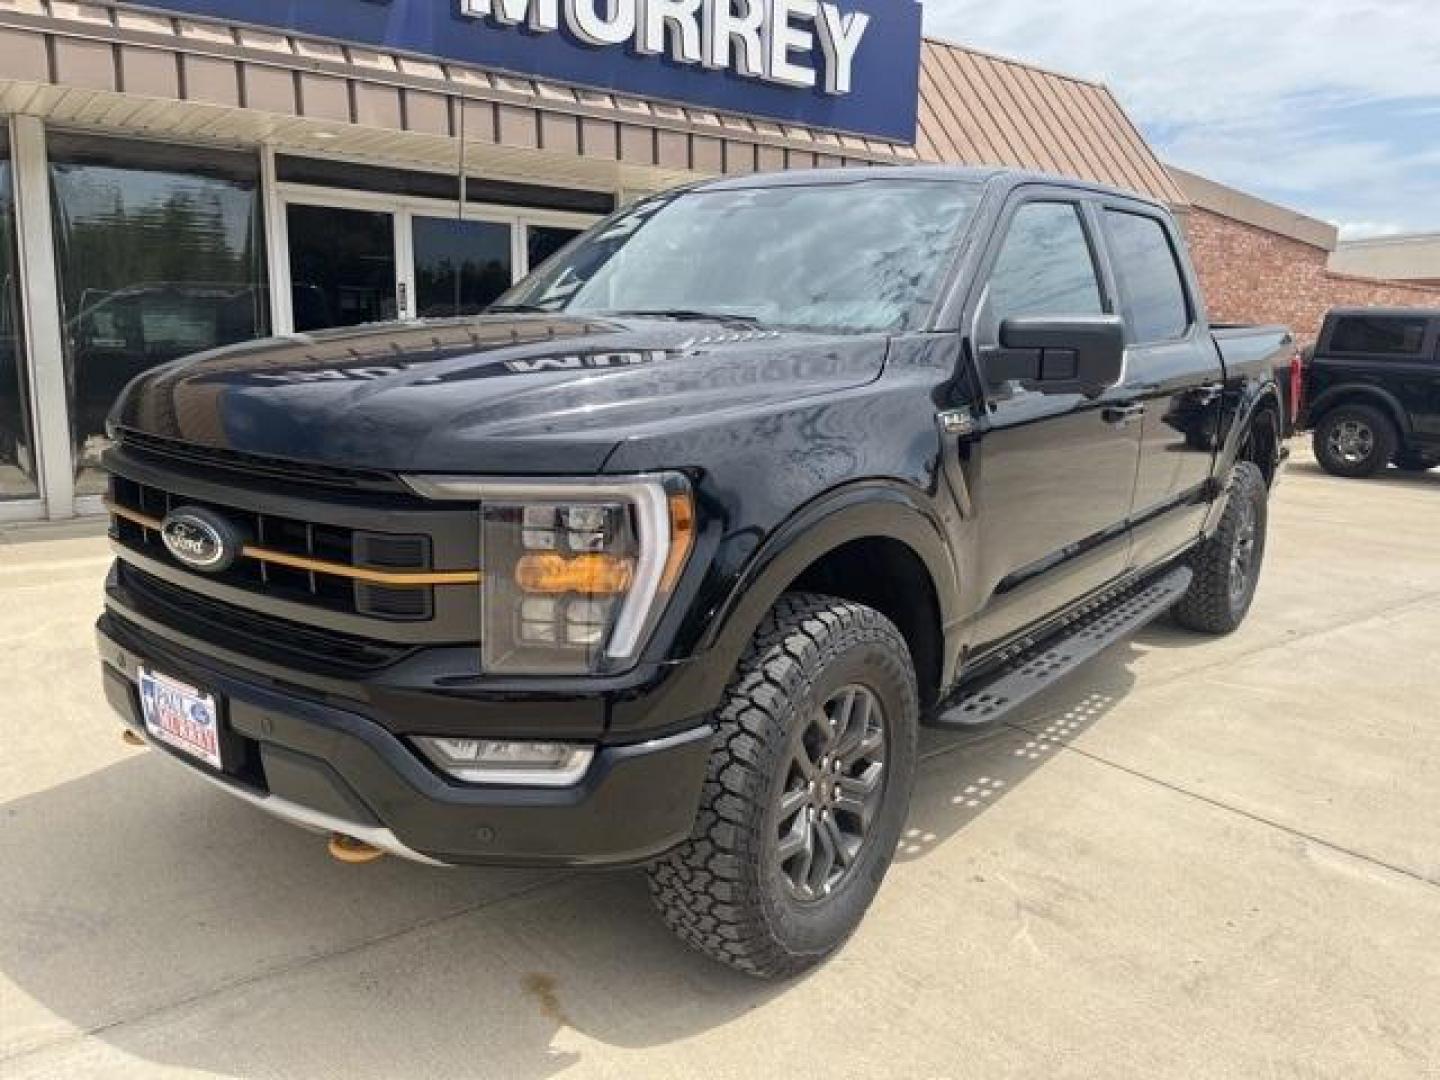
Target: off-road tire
pixel 1384 442
pixel 1408 461
pixel 723 891
pixel 1211 605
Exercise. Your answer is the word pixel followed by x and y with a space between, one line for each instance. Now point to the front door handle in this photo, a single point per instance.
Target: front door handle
pixel 1122 414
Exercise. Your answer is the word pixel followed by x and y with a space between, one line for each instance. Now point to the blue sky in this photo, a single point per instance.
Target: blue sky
pixel 1331 107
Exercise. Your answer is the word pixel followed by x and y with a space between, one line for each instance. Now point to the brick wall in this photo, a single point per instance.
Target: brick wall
pixel 1249 274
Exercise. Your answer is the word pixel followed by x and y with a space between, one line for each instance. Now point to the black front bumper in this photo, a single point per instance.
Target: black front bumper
pixel 328 767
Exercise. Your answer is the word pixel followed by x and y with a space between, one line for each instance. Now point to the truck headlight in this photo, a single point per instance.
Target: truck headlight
pixel 574 573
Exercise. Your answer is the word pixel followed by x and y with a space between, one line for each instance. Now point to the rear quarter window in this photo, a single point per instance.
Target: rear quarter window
pixel 1387 335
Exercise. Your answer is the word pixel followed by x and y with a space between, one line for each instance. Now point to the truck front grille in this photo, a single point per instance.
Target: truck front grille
pixel 302 561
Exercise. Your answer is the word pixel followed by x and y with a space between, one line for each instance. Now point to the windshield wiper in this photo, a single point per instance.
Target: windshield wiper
pixel 513 309
pixel 681 314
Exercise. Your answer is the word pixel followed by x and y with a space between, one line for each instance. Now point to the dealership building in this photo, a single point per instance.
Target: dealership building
pixel 180 175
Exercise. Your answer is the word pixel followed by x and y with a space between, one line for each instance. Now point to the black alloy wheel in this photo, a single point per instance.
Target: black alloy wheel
pixel 1242 552
pixel 835 785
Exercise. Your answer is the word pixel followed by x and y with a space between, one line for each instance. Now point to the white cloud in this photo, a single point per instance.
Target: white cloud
pixel 1205 60
pixel 1330 104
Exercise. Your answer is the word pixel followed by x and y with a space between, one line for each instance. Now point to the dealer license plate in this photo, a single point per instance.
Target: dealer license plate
pixel 181 716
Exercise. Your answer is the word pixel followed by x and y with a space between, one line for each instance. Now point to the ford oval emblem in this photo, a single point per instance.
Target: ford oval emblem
pixel 200 539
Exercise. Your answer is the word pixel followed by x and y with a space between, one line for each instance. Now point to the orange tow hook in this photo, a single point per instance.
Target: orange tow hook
pixel 347 849
pixel 131 738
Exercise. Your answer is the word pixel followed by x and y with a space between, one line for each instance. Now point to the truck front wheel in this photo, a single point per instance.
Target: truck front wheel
pixel 807 790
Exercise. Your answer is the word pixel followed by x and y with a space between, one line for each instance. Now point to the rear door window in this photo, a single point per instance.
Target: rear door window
pixel 1152 288
pixel 1387 335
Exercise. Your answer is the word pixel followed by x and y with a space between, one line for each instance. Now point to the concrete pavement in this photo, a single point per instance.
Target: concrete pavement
pixel 1199 858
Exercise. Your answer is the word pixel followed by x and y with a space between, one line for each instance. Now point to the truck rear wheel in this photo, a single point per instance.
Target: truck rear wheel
pixel 1227 564
pixel 807 790
pixel 1354 441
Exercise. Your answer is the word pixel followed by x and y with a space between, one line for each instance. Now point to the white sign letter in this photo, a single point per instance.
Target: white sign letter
pixel 613 28
pixel 724 29
pixel 683 19
pixel 785 38
pixel 544 14
pixel 839 38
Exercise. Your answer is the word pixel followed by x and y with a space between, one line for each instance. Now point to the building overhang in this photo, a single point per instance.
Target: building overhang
pixel 112 67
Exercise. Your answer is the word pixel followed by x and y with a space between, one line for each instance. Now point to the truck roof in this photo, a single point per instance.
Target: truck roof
pixel 1005 177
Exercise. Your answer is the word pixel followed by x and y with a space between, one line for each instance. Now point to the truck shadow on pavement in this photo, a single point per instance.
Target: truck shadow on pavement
pixel 182 928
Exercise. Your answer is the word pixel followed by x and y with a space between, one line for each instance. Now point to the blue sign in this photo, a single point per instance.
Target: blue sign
pixel 845 65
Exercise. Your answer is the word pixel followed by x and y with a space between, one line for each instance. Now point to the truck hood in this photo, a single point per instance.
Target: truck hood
pixel 516 394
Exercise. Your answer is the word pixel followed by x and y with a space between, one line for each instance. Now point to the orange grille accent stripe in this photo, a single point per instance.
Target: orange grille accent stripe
pixel 400 578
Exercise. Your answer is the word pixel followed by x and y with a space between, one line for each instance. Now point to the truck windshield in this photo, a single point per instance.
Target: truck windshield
pixel 859 255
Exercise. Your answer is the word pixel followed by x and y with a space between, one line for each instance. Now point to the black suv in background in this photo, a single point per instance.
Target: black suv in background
pixel 664 560
pixel 1372 390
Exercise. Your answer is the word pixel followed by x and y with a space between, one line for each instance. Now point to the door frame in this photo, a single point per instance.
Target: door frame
pixel 42 324
pixel 403 209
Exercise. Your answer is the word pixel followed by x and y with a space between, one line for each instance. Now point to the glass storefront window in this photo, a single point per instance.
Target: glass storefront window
pixel 542 241
pixel 460 266
pixel 342 266
pixel 17 453
pixel 161 253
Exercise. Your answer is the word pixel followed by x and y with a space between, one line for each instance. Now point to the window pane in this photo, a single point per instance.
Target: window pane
pixel 1045 266
pixel 161 253
pixel 17 454
pixel 542 241
pixel 1150 281
pixel 342 266
pixel 1378 334
pixel 861 255
pixel 460 266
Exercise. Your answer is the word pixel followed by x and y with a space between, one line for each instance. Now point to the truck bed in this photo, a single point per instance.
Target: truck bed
pixel 1260 350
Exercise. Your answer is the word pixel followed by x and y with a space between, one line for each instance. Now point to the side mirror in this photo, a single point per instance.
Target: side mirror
pixel 1075 354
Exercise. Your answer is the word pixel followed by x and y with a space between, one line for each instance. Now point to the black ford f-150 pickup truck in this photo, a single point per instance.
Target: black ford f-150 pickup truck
pixel 1371 390
pixel 664 559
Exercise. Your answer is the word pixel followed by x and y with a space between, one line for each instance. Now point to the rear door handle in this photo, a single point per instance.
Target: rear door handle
pixel 1122 414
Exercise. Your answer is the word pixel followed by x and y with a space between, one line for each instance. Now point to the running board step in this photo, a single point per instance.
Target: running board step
pixel 1028 673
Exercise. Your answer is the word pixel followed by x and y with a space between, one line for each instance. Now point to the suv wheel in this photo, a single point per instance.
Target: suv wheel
pixel 1354 441
pixel 1227 565
pixel 808 786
